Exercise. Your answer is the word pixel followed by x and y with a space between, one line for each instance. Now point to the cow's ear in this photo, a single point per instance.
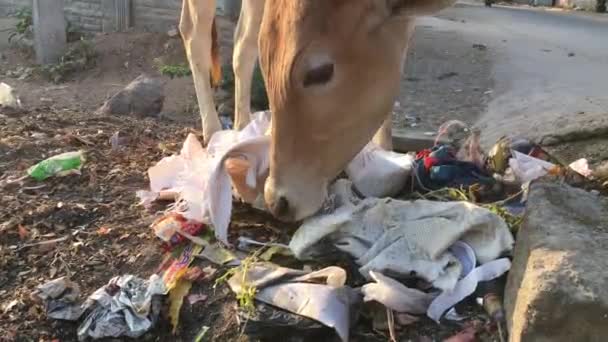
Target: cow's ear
pixel 411 8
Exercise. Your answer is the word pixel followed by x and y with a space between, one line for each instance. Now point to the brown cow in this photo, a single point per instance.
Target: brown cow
pixel 332 71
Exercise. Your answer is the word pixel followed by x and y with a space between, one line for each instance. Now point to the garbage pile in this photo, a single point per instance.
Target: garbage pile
pixel 422 231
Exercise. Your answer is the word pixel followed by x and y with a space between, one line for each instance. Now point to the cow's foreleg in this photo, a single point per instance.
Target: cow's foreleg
pixel 244 58
pixel 195 26
pixel 384 136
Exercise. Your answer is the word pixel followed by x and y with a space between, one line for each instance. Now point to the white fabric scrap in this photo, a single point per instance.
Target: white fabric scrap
pixel 467 286
pixel 395 295
pixel 198 176
pixel 204 187
pixel 376 172
pixel 405 239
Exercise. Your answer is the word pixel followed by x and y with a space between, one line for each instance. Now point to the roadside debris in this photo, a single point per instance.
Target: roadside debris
pixel 60 165
pixel 401 236
pixel 376 172
pixel 320 295
pixel 60 296
pixel 118 141
pixel 200 178
pixel 8 98
pixel 268 322
pixel 172 269
pixel 439 167
pixel 174 230
pixel 126 306
pixel 437 242
pixel 417 257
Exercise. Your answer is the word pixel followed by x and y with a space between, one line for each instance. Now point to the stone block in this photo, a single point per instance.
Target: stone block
pixel 557 287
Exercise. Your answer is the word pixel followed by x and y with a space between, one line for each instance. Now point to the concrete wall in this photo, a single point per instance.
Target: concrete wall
pixel 155 15
pixel 84 15
pixel 87 15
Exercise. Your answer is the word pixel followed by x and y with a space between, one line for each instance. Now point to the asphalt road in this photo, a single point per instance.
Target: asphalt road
pixel 549 69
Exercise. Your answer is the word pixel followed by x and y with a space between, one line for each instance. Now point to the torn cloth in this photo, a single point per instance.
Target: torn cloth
pixel 405 239
pixel 203 184
pixel 439 167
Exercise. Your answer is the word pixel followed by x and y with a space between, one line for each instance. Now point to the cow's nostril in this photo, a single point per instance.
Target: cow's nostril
pixel 281 207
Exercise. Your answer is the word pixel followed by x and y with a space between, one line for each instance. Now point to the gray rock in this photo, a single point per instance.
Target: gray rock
pixel 557 289
pixel 143 97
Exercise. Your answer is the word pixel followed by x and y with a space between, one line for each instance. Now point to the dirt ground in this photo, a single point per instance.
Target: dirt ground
pixel 102 230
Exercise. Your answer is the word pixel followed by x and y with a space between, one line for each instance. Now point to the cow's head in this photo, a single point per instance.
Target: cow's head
pixel 332 71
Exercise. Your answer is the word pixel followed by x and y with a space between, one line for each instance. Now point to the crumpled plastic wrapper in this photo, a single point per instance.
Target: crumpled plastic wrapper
pixel 126 306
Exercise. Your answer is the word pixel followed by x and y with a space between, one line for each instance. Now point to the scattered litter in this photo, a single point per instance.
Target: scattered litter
pixel 268 322
pixel 466 335
pixel 395 295
pixel 439 168
pixel 247 244
pixel 127 306
pixel 466 287
pixel 199 175
pixel 60 296
pixel 582 167
pixel 7 307
pixel 8 98
pixel 226 122
pixel 60 165
pixel 173 32
pixel 527 168
pixel 470 150
pixel 195 298
pixel 498 156
pixel 41 243
pixel 201 334
pixel 376 172
pixel 404 238
pixel 175 230
pixel 275 250
pixel 118 141
pixel 319 295
pixel 218 255
pixel 174 269
pixel 176 300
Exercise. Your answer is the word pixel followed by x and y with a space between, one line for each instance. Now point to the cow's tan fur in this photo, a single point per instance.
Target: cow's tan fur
pixel 315 131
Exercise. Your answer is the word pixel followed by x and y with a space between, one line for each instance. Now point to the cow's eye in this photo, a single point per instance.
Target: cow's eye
pixel 319 75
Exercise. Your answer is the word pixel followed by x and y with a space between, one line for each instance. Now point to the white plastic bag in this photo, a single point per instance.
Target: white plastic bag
pixel 527 168
pixel 379 173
